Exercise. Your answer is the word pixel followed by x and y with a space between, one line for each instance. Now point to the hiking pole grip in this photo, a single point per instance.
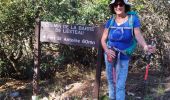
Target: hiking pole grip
pixel 148 58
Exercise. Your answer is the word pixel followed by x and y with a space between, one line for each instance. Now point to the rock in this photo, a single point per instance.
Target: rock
pixel 169 2
pixel 87 99
pixel 2 95
pixel 1 82
pixel 130 93
pixel 139 98
pixel 44 98
pixel 14 94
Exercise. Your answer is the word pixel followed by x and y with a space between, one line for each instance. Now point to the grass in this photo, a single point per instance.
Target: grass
pixel 104 97
pixel 148 97
pixel 160 90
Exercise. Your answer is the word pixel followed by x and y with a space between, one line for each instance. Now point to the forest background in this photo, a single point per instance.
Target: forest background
pixel 17 38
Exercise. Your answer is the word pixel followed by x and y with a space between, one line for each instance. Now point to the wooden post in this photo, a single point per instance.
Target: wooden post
pixel 36 58
pixel 98 73
pixel 96 90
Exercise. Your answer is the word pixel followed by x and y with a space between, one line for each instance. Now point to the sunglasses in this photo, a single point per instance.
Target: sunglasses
pixel 120 4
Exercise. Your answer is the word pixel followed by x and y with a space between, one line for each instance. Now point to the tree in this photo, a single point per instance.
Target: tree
pixel 17 28
pixel 16 31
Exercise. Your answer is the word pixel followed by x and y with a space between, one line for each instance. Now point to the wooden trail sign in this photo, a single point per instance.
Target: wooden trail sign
pixel 80 35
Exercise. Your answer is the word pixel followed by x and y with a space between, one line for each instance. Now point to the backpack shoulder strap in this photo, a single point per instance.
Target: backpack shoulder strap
pixel 131 20
pixel 112 21
pixel 131 24
pixel 110 24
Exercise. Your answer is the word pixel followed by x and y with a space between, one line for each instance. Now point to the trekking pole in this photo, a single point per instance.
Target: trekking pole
pixel 148 59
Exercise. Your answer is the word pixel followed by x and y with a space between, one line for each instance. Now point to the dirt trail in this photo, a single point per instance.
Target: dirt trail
pixel 158 89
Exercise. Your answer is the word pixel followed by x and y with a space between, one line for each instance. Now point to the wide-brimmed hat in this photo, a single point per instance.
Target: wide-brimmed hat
pixel 125 1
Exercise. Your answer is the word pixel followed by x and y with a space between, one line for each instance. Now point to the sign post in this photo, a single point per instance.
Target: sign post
pixel 36 59
pixel 96 90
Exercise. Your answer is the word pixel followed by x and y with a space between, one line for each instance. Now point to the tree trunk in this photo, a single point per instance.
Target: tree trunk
pixel 14 60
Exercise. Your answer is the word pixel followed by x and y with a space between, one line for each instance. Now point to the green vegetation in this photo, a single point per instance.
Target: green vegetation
pixel 17 20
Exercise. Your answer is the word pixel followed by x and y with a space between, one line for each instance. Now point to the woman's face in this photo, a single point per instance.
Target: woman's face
pixel 119 8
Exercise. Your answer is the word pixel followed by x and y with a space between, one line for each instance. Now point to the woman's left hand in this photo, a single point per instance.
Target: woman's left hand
pixel 150 49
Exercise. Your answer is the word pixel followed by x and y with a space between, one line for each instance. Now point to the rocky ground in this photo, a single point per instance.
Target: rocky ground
pixel 156 89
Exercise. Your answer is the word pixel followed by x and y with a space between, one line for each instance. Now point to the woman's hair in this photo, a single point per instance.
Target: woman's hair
pixel 111 6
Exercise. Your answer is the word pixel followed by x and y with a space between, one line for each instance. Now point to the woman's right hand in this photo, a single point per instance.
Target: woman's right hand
pixel 110 52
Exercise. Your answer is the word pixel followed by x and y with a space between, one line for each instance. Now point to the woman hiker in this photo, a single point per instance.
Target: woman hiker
pixel 118 35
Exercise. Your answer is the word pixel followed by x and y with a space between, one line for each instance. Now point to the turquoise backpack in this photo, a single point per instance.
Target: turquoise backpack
pixel 128 51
